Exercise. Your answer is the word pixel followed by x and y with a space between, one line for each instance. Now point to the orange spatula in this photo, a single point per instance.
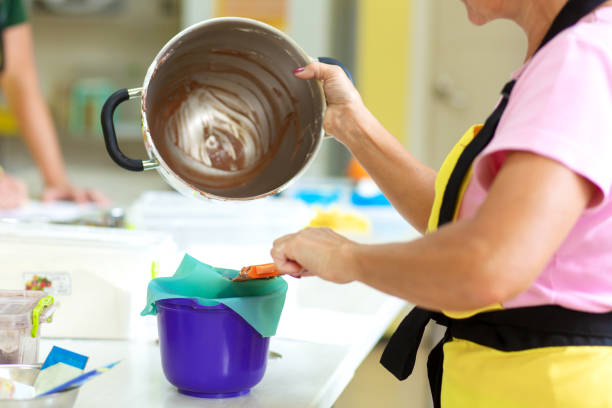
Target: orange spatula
pixel 257 272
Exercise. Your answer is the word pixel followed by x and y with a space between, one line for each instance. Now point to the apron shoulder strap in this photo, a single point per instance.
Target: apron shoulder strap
pixel 569 15
pixel 477 145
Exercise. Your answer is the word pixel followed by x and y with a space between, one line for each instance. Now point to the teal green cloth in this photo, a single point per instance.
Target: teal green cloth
pixel 260 302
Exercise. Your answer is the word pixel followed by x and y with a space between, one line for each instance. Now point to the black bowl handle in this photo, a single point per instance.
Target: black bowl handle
pixel 333 61
pixel 110 137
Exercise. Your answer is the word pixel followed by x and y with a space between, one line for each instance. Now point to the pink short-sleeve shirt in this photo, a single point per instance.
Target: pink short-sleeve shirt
pixel 561 108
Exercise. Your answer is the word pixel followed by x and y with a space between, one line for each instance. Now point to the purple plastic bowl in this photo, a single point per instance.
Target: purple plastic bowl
pixel 209 351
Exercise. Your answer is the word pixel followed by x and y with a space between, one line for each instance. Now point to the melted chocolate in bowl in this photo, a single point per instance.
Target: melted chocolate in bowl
pixel 226 114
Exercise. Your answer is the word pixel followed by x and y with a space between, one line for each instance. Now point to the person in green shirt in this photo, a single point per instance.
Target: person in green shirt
pixel 19 82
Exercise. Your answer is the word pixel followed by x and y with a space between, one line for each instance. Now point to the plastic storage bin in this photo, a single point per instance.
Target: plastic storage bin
pixel 97 275
pixel 21 313
pixel 209 351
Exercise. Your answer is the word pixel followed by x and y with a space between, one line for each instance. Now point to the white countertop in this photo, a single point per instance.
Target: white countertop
pixel 325 332
pixel 307 374
pixel 320 348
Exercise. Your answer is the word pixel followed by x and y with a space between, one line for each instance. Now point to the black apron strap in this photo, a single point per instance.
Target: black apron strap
pixel 435 362
pixel 400 354
pixel 534 327
pixel 482 139
pixel 569 15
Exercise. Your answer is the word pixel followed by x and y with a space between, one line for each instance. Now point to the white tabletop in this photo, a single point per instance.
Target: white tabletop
pixel 138 381
pixel 325 332
pixel 307 373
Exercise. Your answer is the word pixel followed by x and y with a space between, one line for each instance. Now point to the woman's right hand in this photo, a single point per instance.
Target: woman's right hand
pixel 343 101
pixel 13 192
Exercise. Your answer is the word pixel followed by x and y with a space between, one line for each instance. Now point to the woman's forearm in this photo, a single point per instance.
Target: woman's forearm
pixel 405 181
pixel 421 272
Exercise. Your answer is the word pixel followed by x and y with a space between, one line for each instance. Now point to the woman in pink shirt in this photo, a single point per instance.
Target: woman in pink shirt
pixel 518 222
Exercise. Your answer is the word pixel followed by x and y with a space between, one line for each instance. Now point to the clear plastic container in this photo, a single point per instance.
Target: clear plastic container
pixel 21 313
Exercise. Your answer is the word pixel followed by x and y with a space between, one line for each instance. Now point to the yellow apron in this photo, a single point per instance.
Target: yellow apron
pixel 479 376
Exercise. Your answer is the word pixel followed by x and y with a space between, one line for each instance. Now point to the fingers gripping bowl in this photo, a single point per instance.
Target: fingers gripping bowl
pixel 222 114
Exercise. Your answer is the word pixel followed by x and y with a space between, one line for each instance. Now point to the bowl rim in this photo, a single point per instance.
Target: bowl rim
pixel 177 182
pixel 187 302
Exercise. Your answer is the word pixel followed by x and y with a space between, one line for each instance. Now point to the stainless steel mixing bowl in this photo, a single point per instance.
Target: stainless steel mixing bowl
pixel 27 374
pixel 222 114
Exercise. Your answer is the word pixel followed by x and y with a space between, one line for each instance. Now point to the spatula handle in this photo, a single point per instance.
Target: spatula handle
pixel 261 271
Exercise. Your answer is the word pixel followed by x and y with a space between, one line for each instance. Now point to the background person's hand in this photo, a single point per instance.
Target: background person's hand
pixel 70 193
pixel 315 251
pixel 343 100
pixel 13 192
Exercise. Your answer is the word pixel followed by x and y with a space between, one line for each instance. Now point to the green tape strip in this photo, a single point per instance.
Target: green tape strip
pixel 154 269
pixel 42 304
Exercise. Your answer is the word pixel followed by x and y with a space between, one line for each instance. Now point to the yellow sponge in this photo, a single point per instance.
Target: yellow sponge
pixel 340 220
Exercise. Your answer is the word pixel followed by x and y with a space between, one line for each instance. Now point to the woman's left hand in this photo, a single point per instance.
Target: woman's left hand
pixel 316 251
pixel 70 193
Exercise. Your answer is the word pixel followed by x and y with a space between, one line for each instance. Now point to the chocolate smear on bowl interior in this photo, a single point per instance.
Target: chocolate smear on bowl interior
pixel 224 123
